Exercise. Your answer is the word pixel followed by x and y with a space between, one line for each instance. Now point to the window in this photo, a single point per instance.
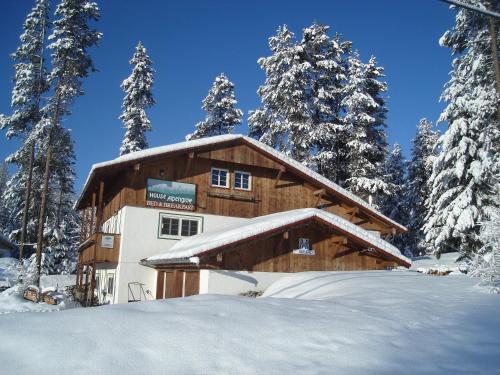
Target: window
pixel 178 226
pixel 242 180
pixel 110 284
pixel 220 177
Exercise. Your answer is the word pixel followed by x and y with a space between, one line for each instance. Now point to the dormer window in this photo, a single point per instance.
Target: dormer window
pixel 242 180
pixel 220 177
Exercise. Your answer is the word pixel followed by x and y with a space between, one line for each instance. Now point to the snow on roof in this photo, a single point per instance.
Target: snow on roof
pixel 187 249
pixel 138 155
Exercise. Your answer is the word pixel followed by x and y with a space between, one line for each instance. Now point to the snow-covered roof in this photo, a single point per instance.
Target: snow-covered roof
pixel 194 144
pixel 187 250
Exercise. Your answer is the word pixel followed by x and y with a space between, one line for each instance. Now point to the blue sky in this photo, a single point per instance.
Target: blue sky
pixel 191 42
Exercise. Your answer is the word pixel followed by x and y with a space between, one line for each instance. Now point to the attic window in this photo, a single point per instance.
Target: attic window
pixel 220 177
pixel 242 180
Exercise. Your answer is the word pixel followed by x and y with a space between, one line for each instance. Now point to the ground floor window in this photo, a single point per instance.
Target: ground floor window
pixel 178 226
pixel 111 279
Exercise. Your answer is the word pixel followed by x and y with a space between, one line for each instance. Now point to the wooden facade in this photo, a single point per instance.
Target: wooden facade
pixel 276 187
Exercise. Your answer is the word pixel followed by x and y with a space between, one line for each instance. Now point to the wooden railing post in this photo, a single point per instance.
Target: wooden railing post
pixel 92 216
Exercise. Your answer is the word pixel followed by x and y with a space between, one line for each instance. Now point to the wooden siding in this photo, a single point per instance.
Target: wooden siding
pixel 94 253
pixel 268 194
pixel 274 254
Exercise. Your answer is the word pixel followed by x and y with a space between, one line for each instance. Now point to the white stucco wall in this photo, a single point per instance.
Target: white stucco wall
pixel 139 240
pixel 236 282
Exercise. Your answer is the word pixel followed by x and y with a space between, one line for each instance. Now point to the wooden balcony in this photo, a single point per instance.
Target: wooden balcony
pixel 98 248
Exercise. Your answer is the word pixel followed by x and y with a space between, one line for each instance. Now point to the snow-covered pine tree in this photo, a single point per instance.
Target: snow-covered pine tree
pixel 424 152
pixel 283 120
pixel 327 74
pixel 363 115
pixel 71 38
pixel 462 178
pixel 393 203
pixel 486 262
pixel 138 98
pixel 377 135
pixel 30 83
pixel 220 105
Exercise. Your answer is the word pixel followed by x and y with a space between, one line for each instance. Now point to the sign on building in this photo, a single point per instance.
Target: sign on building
pixel 304 247
pixel 170 194
pixel 107 241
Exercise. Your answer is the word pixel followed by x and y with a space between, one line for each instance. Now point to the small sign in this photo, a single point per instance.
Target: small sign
pixel 304 252
pixel 107 241
pixel 304 247
pixel 170 194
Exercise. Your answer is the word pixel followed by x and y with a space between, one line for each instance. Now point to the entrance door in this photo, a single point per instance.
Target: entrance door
pixel 177 283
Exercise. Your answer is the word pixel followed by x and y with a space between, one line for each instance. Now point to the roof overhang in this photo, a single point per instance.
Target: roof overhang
pixel 204 244
pixel 111 167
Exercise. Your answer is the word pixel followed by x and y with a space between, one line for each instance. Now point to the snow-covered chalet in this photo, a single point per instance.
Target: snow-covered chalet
pixel 225 214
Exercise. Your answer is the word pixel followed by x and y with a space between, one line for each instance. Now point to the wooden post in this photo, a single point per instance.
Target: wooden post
pixel 280 173
pixel 100 207
pixel 92 283
pixel 86 284
pixel 189 162
pixel 92 215
pixel 83 223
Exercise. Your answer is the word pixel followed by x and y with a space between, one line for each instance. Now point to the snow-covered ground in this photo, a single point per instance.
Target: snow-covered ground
pixel 378 322
pixel 11 300
pixel 8 272
pixel 429 263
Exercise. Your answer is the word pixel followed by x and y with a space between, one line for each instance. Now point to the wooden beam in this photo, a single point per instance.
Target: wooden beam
pixel 100 206
pixel 339 240
pixel 191 156
pixel 92 216
pixel 83 224
pixel 319 193
pixel 281 170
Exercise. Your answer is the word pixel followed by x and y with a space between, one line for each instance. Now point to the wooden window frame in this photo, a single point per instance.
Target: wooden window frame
pixel 249 181
pixel 198 219
pixel 228 178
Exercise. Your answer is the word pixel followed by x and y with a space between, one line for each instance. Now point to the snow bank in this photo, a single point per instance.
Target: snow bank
pixel 446 264
pixel 398 322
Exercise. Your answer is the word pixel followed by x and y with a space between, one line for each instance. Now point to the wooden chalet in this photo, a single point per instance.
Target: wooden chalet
pixel 154 201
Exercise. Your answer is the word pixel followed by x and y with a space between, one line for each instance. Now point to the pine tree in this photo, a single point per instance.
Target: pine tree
pixel 424 152
pixel 30 83
pixel 486 262
pixel 222 115
pixel 71 38
pixel 364 116
pixel 327 75
pixel 284 119
pixel 393 203
pixel 138 98
pixel 462 178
